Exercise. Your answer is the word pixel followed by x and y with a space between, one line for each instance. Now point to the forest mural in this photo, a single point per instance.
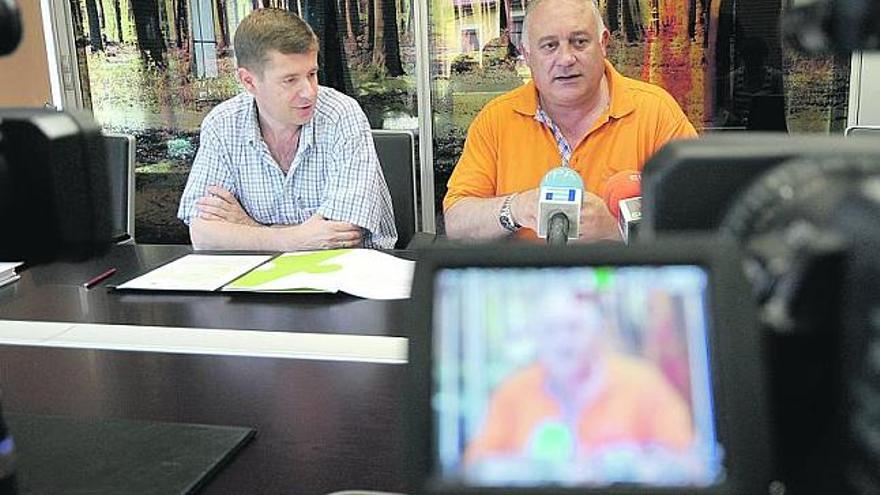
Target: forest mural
pixel 154 68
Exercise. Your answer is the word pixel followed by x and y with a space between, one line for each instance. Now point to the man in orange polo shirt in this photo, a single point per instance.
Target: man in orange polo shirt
pixel 577 110
pixel 582 404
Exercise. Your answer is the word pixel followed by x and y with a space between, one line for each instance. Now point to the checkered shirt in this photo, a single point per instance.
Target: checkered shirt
pixel 561 143
pixel 335 171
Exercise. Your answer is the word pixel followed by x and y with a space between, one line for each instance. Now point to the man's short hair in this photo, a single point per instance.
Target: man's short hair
pixel 269 29
pixel 533 4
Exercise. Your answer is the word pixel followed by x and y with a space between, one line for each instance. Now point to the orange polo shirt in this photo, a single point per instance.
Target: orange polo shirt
pixel 508 151
pixel 636 405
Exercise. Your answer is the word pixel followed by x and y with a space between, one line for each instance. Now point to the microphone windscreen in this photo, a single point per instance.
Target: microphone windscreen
pixel 622 185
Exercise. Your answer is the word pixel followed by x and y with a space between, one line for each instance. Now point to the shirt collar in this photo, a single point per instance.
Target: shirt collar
pixel 306 135
pixel 527 102
pixel 253 121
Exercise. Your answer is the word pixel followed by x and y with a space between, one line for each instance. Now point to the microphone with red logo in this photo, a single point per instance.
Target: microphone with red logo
pixel 623 195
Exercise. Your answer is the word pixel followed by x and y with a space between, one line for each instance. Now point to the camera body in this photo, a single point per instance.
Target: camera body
pixel 810 229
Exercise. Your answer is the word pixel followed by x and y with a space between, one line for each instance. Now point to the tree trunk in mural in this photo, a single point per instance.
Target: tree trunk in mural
pixel 182 22
pixel 94 26
pixel 149 33
pixel 613 15
pixel 118 12
pixel 721 38
pixel 705 9
pixel 656 13
pixel 692 19
pixel 386 44
pixel 101 14
pixel 163 21
pixel 81 60
pixel 505 25
pixel 371 23
pixel 632 20
pixel 323 17
pixel 352 19
pixel 223 32
pixel 411 20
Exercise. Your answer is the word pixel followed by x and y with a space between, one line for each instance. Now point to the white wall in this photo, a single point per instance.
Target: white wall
pixel 24 75
pixel 864 95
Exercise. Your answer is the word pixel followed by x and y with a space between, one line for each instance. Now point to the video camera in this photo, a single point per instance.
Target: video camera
pixel 813 260
pixel 804 209
pixel 54 190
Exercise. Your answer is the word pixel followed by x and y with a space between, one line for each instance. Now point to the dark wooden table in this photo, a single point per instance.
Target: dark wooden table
pixel 54 292
pixel 322 425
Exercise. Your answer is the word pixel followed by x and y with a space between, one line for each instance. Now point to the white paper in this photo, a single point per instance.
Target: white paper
pixel 199 272
pixel 361 272
pixel 9 280
pixel 7 269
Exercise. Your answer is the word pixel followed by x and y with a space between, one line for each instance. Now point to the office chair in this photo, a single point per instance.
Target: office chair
pixel 120 164
pixel 397 157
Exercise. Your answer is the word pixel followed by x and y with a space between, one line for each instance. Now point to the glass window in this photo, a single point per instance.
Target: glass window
pixel 722 60
pixel 155 68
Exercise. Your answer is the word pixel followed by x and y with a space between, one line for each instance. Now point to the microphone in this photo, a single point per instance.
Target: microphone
pixel 622 194
pixel 559 205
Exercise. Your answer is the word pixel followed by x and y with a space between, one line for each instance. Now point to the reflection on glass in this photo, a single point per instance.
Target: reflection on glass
pixel 723 61
pixel 154 68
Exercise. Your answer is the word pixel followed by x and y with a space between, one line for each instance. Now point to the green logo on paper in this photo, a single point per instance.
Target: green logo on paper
pixel 290 264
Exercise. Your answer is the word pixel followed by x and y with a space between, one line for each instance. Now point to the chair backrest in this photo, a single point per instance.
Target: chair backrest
pixel 120 164
pixel 397 156
pixel 863 130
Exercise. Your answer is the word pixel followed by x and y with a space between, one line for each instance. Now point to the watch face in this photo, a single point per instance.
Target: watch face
pixel 507 223
pixel 506 217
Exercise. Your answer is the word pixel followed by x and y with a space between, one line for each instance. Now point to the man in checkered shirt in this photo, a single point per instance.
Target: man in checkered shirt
pixel 287 164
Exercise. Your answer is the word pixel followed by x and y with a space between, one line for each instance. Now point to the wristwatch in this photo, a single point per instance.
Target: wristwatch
pixel 505 216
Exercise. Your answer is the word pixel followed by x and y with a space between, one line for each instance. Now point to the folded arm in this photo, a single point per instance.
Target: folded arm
pixel 221 223
pixel 314 233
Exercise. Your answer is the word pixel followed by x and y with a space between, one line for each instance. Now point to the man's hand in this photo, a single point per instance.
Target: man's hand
pixel 223 205
pixel 597 223
pixel 524 208
pixel 319 233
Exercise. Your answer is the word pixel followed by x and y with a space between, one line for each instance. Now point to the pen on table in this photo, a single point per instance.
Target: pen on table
pixel 99 278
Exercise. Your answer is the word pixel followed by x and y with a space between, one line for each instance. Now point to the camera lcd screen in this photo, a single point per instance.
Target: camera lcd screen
pixel 573 376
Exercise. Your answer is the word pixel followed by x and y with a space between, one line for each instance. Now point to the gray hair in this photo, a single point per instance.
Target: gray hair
pixel 533 4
